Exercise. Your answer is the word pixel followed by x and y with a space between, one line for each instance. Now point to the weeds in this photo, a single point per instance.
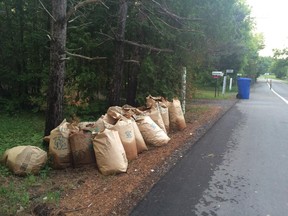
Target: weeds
pixel 19 192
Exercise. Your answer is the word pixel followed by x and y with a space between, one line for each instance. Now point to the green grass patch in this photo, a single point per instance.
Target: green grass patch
pixel 15 192
pixel 270 76
pixel 20 129
pixel 209 93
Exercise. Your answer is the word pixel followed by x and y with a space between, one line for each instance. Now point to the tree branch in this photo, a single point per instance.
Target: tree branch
pixel 161 33
pixel 137 44
pixel 147 46
pixel 172 14
pixel 85 57
pixel 47 11
pixel 79 5
pixel 132 61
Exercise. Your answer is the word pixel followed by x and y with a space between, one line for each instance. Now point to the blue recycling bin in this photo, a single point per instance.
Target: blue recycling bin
pixel 243 88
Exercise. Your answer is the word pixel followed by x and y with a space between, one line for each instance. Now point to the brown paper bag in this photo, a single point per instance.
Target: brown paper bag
pixel 155 115
pixel 151 132
pixel 110 154
pixel 140 143
pixel 94 127
pixel 22 160
pixel 127 136
pixel 82 148
pixel 59 148
pixel 165 115
pixel 176 117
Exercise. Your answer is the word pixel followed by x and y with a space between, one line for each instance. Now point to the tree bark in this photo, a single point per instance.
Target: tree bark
pixel 132 83
pixel 117 73
pixel 54 114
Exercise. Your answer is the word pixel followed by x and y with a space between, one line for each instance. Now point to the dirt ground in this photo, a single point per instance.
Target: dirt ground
pixel 84 191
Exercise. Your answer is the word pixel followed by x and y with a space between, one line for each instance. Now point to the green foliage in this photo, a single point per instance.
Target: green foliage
pixel 12 197
pixel 189 28
pixel 20 129
pixel 280 63
pixel 280 68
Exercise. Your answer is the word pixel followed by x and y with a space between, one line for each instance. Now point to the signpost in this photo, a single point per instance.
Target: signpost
pixel 216 75
pixel 228 71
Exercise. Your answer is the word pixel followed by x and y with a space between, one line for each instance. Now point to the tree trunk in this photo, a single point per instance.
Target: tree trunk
pixel 133 79
pixel 54 114
pixel 117 73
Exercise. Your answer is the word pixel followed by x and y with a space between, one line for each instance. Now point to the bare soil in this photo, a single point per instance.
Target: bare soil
pixel 84 191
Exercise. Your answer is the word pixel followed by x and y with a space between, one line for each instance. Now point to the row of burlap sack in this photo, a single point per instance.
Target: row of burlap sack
pixel 116 137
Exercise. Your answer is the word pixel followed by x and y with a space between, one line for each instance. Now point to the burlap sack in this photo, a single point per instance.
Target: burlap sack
pixel 176 117
pixel 127 136
pixel 59 148
pixel 22 160
pixel 82 148
pixel 110 154
pixel 151 132
pixel 155 115
pixel 140 143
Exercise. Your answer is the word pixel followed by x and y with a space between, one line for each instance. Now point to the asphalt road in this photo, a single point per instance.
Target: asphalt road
pixel 239 168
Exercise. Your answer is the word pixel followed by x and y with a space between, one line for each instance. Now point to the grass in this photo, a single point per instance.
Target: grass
pixel 20 129
pixel 209 93
pixel 15 192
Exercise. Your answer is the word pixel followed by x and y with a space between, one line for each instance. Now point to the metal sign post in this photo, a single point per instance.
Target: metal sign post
pixel 216 75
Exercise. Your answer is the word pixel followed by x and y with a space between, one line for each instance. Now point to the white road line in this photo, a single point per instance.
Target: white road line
pixel 286 101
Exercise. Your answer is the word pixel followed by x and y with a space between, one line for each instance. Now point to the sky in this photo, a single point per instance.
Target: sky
pixel 271 17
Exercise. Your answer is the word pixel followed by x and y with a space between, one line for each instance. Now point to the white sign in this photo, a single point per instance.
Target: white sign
pixel 229 71
pixel 217 73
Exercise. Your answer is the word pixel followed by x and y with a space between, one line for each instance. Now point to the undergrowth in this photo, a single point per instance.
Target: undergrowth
pixel 15 192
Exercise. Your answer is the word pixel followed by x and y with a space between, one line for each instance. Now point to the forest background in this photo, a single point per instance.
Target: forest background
pixel 73 57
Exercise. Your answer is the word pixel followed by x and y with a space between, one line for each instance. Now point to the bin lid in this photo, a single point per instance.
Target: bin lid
pixel 244 79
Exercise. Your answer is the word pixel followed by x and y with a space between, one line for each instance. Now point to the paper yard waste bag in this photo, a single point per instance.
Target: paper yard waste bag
pixel 159 103
pixel 126 133
pixel 23 160
pixel 155 115
pixel 94 127
pixel 140 143
pixel 110 154
pixel 165 115
pixel 176 117
pixel 82 148
pixel 107 118
pixel 59 148
pixel 152 101
pixel 115 112
pixel 151 132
